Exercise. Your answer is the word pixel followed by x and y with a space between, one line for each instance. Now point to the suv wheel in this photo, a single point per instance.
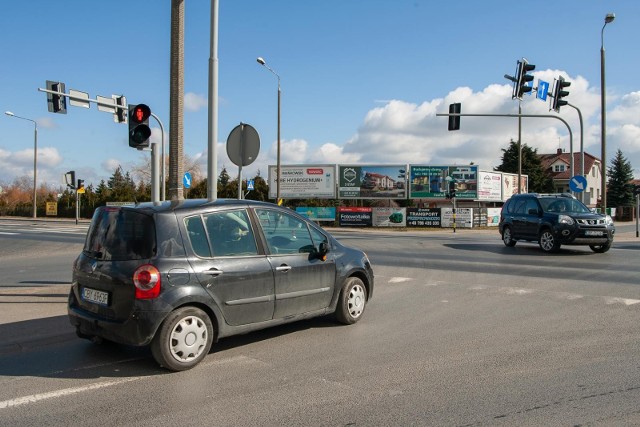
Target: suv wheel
pixel 351 304
pixel 600 248
pixel 183 339
pixel 507 238
pixel 548 242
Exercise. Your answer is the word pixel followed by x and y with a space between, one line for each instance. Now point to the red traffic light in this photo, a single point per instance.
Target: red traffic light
pixel 140 113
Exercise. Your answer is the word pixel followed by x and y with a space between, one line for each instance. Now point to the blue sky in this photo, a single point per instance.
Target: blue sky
pixel 361 80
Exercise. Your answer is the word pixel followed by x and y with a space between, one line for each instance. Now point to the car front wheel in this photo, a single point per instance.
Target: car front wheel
pixel 548 241
pixel 599 249
pixel 183 339
pixel 353 299
pixel 507 238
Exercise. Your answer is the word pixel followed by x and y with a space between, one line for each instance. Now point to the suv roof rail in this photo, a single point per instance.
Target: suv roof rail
pixel 568 195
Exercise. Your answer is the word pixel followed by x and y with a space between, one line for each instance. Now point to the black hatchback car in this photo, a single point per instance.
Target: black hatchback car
pixel 553 220
pixel 180 275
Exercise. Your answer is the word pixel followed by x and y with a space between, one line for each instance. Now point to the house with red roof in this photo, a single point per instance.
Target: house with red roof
pixel 558 166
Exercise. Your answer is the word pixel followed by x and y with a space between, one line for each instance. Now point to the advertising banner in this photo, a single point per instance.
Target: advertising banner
pixel 423 217
pixel 318 213
pixel 493 216
pixel 464 217
pixel 389 217
pixel 490 186
pixel 372 182
pixel 354 217
pixel 510 185
pixel 432 182
pixel 303 181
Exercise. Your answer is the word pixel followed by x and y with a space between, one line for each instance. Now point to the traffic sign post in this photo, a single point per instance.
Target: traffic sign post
pixel 578 183
pixel 243 146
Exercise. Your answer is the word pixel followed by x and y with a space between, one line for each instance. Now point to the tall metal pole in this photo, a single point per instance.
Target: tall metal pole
pixel 262 62
pixel 581 146
pixel 519 146
pixel 603 115
pixel 212 161
pixel 35 160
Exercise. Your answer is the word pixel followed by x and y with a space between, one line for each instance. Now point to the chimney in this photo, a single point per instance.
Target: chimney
pixel 559 150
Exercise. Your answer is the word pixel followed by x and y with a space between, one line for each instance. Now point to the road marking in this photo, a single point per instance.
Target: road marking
pixel 64 392
pixel 8 234
pixel 399 279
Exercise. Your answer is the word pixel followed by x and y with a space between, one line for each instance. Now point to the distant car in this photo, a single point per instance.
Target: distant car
pixel 178 276
pixel 553 220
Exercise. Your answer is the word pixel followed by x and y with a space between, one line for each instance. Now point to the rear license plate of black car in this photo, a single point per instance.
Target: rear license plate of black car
pixel 95 296
pixel 593 233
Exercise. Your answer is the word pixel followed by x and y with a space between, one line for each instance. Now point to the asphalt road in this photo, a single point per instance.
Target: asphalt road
pixel 461 331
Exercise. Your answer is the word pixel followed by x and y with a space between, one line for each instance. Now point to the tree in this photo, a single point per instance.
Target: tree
pixel 539 180
pixel 619 189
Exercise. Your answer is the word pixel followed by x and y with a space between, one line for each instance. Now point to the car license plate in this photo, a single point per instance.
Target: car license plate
pixel 95 296
pixel 593 233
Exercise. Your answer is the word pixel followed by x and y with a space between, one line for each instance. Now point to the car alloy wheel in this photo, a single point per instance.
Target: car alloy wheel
pixel 548 241
pixel 507 238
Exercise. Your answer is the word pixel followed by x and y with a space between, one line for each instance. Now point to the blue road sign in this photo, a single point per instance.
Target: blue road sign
pixel 543 90
pixel 250 184
pixel 186 180
pixel 578 183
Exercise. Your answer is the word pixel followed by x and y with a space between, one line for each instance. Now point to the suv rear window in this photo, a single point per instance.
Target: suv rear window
pixel 119 234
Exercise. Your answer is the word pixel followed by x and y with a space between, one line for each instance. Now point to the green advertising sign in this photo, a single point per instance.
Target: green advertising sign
pixel 432 182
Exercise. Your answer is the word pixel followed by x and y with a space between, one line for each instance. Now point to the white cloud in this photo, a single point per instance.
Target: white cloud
pixel 194 102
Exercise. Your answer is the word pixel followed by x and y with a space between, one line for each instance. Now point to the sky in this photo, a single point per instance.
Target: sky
pixel 361 80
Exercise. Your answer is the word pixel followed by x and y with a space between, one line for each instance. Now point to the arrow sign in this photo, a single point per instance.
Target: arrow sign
pixel 578 183
pixel 186 180
pixel 543 90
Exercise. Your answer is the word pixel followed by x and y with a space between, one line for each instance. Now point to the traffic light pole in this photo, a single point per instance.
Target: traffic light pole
pixel 546 116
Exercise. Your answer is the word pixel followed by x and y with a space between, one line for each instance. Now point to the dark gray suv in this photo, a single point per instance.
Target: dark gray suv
pixel 180 275
pixel 553 220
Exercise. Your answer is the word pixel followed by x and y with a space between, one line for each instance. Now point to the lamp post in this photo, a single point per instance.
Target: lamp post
pixel 35 157
pixel 262 62
pixel 603 115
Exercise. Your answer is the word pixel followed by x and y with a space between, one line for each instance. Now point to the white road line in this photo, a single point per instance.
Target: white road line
pixel 59 393
pixel 8 234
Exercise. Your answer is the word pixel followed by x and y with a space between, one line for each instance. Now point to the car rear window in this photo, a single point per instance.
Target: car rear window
pixel 118 234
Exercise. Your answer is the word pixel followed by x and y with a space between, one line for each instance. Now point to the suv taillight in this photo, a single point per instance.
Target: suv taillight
pixel 147 281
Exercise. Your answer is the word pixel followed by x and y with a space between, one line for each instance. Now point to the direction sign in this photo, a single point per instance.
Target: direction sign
pixel 578 183
pixel 186 180
pixel 543 90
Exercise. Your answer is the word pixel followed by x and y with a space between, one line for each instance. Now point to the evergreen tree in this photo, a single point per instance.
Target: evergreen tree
pixel 539 180
pixel 619 189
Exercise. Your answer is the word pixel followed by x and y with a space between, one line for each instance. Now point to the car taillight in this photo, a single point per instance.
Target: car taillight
pixel 147 281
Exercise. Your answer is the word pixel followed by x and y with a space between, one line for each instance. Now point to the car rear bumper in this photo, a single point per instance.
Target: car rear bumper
pixel 138 329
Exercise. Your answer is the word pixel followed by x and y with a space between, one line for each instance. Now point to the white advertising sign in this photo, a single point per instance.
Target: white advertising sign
pixel 304 181
pixel 489 186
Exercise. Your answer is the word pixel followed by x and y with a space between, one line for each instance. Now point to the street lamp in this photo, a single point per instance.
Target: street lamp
pixel 607 19
pixel 262 62
pixel 35 157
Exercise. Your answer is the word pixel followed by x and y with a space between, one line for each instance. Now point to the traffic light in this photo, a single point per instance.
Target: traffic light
pixel 559 93
pixel 454 121
pixel 70 179
pixel 523 79
pixel 139 130
pixel 56 103
pixel 452 190
pixel 80 187
pixel 120 115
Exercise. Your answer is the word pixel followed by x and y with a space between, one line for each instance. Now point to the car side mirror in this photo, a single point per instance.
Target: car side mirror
pixel 323 250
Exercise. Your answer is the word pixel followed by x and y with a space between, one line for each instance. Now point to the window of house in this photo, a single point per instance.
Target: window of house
pixel 558 168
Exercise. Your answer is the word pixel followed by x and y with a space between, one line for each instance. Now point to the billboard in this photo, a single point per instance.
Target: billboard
pixel 510 185
pixel 490 186
pixel 389 217
pixel 423 217
pixel 432 182
pixel 303 181
pixel 317 213
pixel 354 217
pixel 372 182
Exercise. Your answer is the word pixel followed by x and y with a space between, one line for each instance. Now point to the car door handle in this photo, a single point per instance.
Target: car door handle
pixel 284 268
pixel 212 272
